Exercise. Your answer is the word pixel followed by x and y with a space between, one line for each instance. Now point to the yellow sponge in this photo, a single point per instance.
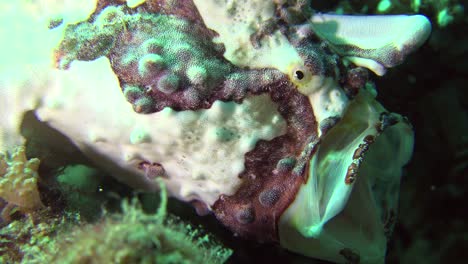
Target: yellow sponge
pixel 18 180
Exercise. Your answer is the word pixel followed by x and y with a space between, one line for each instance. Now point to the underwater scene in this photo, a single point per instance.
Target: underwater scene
pixel 233 131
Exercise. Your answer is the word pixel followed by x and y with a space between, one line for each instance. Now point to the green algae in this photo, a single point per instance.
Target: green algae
pixel 129 236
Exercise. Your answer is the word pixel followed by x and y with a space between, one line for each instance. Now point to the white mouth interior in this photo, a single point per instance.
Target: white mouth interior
pixel 330 215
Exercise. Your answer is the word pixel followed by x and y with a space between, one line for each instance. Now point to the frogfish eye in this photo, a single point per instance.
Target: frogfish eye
pixel 299 75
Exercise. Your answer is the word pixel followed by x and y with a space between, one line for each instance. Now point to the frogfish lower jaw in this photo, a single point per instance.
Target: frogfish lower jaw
pixel 347 207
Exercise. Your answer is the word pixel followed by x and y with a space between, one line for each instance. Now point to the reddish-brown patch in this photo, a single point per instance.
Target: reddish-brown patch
pixel 269 186
pixel 355 79
pixel 369 139
pixel 351 173
pixel 181 8
pixel 101 4
pixel 358 157
pixel 360 151
pixel 152 170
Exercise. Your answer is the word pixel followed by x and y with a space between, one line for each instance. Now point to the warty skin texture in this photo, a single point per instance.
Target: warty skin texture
pixel 259 111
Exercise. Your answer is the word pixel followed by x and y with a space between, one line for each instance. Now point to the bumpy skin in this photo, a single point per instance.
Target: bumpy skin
pixel 162 60
pixel 158 59
pixel 165 56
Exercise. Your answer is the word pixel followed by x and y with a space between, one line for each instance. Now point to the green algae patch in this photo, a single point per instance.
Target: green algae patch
pixel 131 236
pixel 34 238
pixel 136 237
